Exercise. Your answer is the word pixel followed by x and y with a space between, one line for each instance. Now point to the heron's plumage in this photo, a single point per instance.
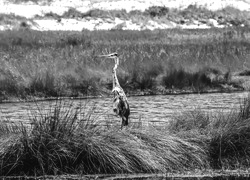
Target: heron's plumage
pixel 120 103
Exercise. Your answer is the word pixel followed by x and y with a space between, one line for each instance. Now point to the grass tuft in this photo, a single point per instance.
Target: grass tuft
pixel 68 141
pixel 60 142
pixel 226 136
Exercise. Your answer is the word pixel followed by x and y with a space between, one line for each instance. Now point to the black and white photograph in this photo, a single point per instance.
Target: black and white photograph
pixel 125 89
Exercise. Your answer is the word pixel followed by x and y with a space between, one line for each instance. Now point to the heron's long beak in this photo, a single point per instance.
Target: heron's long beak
pixel 106 56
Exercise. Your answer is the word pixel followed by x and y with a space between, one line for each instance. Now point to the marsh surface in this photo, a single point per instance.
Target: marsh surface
pixel 152 109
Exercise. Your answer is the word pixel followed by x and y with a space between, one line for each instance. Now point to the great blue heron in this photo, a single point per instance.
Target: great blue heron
pixel 120 102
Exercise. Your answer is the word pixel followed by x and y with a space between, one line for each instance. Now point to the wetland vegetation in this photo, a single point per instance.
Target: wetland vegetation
pixel 65 64
pixel 52 64
pixel 62 143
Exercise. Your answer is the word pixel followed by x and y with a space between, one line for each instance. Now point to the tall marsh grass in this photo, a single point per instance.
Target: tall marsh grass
pixel 226 135
pixel 48 64
pixel 62 142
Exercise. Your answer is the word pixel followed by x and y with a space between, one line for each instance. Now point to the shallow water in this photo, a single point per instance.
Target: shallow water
pixel 149 109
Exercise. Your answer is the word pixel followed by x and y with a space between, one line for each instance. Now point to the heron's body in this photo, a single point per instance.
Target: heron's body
pixel 120 102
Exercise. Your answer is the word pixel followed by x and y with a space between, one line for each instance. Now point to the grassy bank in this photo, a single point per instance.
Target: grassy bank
pixel 52 64
pixel 62 143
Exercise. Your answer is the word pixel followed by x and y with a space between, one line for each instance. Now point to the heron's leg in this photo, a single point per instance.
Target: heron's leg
pixel 124 121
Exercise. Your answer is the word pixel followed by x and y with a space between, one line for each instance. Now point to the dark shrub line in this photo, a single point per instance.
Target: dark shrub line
pixel 199 81
pixel 47 85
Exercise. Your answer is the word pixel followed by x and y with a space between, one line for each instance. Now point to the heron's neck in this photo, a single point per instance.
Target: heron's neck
pixel 117 61
pixel 115 79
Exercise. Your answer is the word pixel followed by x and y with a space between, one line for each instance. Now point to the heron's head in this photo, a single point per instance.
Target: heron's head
pixel 111 55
